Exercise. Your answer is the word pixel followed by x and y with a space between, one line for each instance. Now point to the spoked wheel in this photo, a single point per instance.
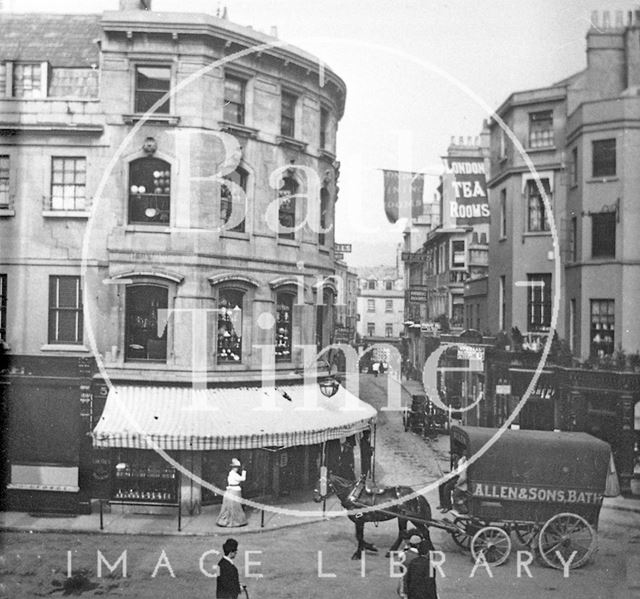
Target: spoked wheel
pixel 493 543
pixel 462 536
pixel 527 533
pixel 566 536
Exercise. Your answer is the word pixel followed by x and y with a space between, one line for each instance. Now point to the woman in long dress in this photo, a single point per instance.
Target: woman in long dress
pixel 232 513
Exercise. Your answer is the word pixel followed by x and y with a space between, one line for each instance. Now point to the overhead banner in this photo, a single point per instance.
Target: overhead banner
pixel 403 193
pixel 468 204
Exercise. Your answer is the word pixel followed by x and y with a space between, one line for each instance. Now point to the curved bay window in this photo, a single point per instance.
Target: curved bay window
pixel 149 191
pixel 284 328
pixel 233 201
pixel 287 207
pixel 229 346
pixel 324 215
pixel 143 341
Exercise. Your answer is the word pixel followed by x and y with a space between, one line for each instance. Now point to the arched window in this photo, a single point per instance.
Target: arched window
pixel 229 342
pixel 233 198
pixel 149 191
pixel 324 215
pixel 143 340
pixel 284 326
pixel 287 206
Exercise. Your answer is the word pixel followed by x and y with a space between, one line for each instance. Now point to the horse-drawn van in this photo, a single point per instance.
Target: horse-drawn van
pixel 545 487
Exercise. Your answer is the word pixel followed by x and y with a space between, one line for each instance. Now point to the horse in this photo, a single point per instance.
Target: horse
pixel 415 510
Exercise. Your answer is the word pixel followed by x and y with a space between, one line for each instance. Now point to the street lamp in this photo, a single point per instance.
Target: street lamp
pixel 329 386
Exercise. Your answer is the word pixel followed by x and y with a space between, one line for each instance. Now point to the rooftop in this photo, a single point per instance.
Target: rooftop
pixel 61 39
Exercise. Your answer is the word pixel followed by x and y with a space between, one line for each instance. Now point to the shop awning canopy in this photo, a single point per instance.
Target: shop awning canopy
pixel 182 418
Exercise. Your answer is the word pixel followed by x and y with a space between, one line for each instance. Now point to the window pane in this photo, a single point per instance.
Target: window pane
pixel 141 335
pixel 152 84
pixel 230 326
pixel 149 191
pixel 603 242
pixel 287 208
pixel 604 158
pixel 233 199
pixel 65 310
pixel 284 315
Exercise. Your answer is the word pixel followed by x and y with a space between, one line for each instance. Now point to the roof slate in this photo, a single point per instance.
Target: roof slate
pixel 62 40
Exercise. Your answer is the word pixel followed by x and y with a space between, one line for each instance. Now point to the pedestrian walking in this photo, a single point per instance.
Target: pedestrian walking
pixel 420 580
pixel 228 584
pixel 232 514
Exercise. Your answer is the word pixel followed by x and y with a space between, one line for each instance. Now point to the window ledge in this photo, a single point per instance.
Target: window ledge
pixel 238 129
pixel 324 153
pixel 66 347
pixel 289 242
pixel 37 487
pixel 7 212
pixel 610 179
pixel 283 140
pixel 146 229
pixel 242 236
pixel 66 213
pixel 551 148
pixel 169 119
pixel 536 234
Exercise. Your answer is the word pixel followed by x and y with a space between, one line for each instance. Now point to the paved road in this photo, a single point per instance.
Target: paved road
pixel 298 562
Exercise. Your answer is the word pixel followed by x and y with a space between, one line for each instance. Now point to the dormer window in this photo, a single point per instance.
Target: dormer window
pixel 29 80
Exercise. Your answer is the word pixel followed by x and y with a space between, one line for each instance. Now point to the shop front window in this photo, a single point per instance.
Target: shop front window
pixel 143 476
pixel 143 339
pixel 284 329
pixel 230 326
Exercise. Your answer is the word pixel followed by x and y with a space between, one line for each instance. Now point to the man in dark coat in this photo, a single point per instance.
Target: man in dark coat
pixel 346 463
pixel 420 580
pixel 365 453
pixel 228 585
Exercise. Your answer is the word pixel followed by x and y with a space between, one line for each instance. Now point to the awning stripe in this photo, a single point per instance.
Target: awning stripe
pixel 177 418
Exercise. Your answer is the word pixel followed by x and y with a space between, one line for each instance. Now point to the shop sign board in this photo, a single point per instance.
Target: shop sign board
pixel 469 352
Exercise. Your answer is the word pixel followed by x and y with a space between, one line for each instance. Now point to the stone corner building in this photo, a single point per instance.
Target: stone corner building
pixel 172 246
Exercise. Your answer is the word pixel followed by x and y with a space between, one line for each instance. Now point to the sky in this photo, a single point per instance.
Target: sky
pixel 417 73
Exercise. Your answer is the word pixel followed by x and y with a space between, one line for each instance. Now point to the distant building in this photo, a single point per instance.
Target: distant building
pixel 380 304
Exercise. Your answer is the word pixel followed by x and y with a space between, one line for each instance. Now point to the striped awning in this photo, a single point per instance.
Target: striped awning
pixel 183 418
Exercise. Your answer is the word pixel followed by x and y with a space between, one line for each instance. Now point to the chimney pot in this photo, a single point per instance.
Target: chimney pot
pixel 619 18
pixel 274 31
pixel 594 18
pixel 606 19
pixel 135 4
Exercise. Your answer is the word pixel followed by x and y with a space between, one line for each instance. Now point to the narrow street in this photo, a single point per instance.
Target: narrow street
pixel 312 560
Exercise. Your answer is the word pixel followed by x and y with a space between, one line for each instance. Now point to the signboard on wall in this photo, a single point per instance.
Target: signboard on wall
pixel 468 203
pixel 418 296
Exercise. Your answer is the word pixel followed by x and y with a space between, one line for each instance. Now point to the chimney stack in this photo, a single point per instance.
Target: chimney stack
pixel 274 31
